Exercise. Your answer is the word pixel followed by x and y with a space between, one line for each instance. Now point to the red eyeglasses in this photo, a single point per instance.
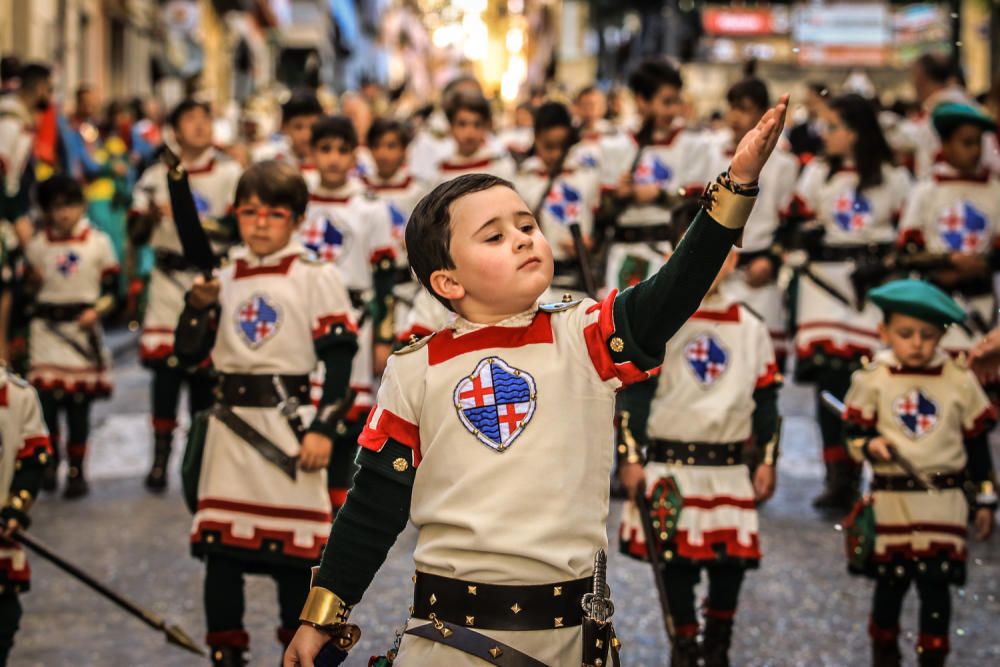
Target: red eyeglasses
pixel 273 216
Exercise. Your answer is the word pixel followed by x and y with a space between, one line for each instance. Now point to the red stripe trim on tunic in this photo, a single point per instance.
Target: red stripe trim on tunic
pixel 244 270
pixel 32 445
pixel 596 336
pixel 769 377
pixel 52 238
pixel 711 538
pixel 856 415
pixel 3 396
pixel 381 187
pixel 907 528
pixel 892 552
pixel 445 345
pixel 327 321
pixel 197 171
pixel 985 420
pixel 157 330
pixel 256 543
pixel 731 314
pixel 831 349
pixel 911 236
pixel 382 253
pixel 320 199
pixel 451 166
pixel 830 324
pixel 157 353
pixel 389 425
pixel 905 370
pixel 263 510
pixel 706 503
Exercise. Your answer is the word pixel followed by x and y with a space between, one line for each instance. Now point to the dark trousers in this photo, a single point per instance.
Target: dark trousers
pixel 342 467
pixel 225 600
pixel 166 396
pixel 841 470
pixel 10 619
pixel 77 411
pixel 935 611
pixel 724 583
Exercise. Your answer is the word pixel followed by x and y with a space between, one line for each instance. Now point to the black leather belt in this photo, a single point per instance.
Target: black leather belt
pixel 259 391
pixel 59 312
pixel 170 262
pixel 643 234
pixel 848 252
pixel 696 453
pixel 493 607
pixel 940 480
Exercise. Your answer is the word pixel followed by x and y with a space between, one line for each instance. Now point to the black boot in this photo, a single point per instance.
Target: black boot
pixel 926 658
pixel 886 654
pixel 76 483
pixel 715 642
pixel 229 656
pixel 156 480
pixel 50 480
pixel 685 651
pixel 841 491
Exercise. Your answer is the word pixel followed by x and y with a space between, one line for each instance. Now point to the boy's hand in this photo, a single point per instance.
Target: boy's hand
pixel 756 147
pixel 969 266
pixel 764 481
pixel 306 645
pixel 381 352
pixel 204 293
pixel 759 272
pixel 88 319
pixel 632 476
pixel 983 523
pixel 625 190
pixel 9 527
pixel 985 357
pixel 315 452
pixel 646 193
pixel 878 449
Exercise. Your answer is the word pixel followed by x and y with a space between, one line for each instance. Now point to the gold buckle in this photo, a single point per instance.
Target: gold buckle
pixel 324 608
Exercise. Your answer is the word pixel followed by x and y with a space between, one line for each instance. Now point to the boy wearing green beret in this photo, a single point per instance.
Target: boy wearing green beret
pixel 914 404
pixel 955 212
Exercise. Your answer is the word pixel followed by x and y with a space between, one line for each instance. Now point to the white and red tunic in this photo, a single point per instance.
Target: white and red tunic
pixel 17 137
pixel 280 149
pixel 213 178
pixel 948 213
pixel 23 438
pixel 713 366
pixel 491 402
pixel 679 159
pixel 351 228
pixel 487 160
pixel 72 270
pixel 851 219
pixel 926 413
pixel 272 309
pixel 607 149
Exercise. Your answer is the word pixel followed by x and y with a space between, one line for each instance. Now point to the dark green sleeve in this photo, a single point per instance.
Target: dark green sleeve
pixel 376 511
pixel 384 279
pixel 336 350
pixel 656 308
pixel 765 419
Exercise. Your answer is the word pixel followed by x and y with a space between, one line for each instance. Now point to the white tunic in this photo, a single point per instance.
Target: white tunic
pixel 272 309
pixel 17 138
pixel 487 160
pixel 213 178
pixel 72 270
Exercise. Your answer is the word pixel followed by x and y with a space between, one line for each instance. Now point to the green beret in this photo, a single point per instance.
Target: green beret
pixel 950 115
pixel 919 299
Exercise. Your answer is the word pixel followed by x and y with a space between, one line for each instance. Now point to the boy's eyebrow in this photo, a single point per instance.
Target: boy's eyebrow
pixel 496 219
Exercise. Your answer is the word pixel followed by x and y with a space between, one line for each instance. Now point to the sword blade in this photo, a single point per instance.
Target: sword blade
pixel 655 559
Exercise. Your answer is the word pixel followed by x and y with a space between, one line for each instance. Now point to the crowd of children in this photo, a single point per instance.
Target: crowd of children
pixel 406 320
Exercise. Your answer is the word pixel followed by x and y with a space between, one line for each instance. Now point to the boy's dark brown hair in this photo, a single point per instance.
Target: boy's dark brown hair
pixel 477 104
pixel 275 184
pixel 428 232
pixel 383 126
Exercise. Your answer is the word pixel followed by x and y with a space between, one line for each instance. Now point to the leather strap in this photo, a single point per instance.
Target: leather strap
pixel 59 312
pixel 271 452
pixel 907 483
pixel 468 641
pixel 696 453
pixel 258 391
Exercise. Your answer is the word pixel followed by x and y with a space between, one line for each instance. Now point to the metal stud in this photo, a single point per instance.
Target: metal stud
pixel 556 591
pixel 433 599
pixel 516 608
pixel 473 590
pixel 496 652
pixel 470 620
pixel 559 622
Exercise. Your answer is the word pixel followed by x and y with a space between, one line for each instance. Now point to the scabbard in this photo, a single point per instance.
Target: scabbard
pixel 468 641
pixel 596 642
pixel 271 452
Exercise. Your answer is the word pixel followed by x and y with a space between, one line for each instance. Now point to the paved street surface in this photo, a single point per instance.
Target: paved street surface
pixel 800 608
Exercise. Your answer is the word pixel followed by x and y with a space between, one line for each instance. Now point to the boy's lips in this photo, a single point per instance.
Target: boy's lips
pixel 531 261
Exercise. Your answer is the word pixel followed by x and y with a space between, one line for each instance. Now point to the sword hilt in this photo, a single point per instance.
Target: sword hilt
pixel 597 604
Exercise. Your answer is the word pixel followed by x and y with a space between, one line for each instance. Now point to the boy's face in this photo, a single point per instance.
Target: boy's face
pixel 523 117
pixel 913 341
pixel 592 107
pixel 389 154
pixel 469 131
pixel 298 129
pixel 334 161
pixel 503 263
pixel 838 138
pixel 964 149
pixel 743 117
pixel 550 144
pixel 665 106
pixel 265 229
pixel 194 130
pixel 64 217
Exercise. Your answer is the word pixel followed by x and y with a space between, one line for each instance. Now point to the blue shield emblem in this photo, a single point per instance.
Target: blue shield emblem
pixel 963 227
pixel 563 203
pixel 398 221
pixel 257 319
pixel 588 160
pixel 916 413
pixel 200 203
pixel 495 402
pixel 650 171
pixel 67 263
pixel 706 358
pixel 852 212
pixel 324 238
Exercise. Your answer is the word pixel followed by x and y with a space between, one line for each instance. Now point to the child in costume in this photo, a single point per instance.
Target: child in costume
pixel 718 390
pixel 852 198
pixel 914 403
pixel 260 501
pixel 291 144
pixel 475 428
pixel 76 271
pixel 955 213
pixel 213 178
pixel 24 454
pixel 469 120
pixel 348 226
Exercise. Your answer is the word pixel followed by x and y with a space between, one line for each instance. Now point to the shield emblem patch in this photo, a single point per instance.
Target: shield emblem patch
pixel 916 413
pixel 257 319
pixel 707 359
pixel 496 402
pixel 325 237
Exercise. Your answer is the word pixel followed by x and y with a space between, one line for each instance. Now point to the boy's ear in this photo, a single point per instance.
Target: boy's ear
pixel 443 284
